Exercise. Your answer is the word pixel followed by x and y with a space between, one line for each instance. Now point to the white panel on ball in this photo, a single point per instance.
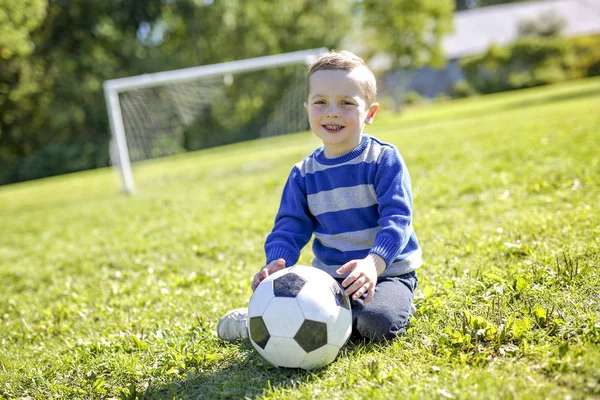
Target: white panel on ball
pixel 260 299
pixel 320 357
pixel 340 327
pixel 283 352
pixel 283 317
pixel 313 304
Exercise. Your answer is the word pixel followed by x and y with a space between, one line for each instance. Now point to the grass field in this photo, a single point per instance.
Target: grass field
pixel 109 296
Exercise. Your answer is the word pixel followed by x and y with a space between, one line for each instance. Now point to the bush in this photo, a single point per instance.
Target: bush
pixel 533 51
pixel 462 89
pixel 61 158
pixel 7 173
pixel 486 72
pixel 530 61
pixel 533 61
pixel 540 62
pixel 412 97
pixel 586 53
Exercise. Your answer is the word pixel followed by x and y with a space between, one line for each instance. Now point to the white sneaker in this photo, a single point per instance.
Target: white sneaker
pixel 234 325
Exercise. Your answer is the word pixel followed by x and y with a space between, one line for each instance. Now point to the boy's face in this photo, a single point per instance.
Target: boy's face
pixel 337 109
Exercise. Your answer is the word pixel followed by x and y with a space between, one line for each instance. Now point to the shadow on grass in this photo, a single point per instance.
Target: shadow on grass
pixel 246 379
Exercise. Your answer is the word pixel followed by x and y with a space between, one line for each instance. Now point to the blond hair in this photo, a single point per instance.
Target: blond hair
pixel 346 61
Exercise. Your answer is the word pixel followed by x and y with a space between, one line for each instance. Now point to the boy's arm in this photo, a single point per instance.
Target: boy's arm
pixel 294 224
pixel 394 195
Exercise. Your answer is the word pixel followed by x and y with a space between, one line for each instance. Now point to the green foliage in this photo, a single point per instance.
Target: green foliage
pixel 530 61
pixel 56 159
pixel 410 32
pixel 53 95
pixel 411 97
pixel 586 51
pixel 461 89
pixel 111 296
pixel 198 34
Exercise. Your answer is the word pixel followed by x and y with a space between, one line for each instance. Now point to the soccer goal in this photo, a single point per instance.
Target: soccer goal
pixel 166 113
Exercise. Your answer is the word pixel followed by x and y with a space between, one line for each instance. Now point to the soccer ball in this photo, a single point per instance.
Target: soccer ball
pixel 299 317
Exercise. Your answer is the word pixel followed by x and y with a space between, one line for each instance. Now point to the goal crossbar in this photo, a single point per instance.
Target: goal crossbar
pixel 113 87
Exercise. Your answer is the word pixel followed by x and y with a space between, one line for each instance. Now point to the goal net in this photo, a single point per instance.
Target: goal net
pixel 165 113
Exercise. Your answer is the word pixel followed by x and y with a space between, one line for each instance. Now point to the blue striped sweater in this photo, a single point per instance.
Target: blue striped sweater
pixel 356 204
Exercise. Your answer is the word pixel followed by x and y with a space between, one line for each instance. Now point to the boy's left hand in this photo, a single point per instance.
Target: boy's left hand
pixel 363 276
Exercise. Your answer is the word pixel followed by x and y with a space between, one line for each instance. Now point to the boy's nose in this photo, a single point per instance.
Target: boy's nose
pixel 331 112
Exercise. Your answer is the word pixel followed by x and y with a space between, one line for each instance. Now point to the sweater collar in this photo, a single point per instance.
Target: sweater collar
pixel 320 156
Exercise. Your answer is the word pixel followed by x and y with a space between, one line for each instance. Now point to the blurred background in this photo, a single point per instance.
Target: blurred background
pixel 56 54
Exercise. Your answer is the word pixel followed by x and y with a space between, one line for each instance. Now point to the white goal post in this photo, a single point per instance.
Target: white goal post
pixel 114 88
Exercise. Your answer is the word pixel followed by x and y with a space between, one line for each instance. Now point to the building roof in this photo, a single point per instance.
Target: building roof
pixel 477 29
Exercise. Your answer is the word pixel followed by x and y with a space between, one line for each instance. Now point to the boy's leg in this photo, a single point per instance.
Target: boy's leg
pixel 233 325
pixel 388 314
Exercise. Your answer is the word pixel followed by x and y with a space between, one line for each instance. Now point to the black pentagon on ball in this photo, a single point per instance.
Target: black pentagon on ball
pixel 288 285
pixel 340 298
pixel 311 335
pixel 258 332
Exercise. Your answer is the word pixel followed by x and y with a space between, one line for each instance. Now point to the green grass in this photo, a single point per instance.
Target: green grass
pixel 105 295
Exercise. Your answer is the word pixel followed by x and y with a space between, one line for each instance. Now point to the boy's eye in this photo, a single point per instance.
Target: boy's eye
pixel 347 103
pixel 319 102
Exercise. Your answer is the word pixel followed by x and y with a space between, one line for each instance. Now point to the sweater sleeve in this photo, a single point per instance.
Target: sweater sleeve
pixel 294 224
pixel 393 189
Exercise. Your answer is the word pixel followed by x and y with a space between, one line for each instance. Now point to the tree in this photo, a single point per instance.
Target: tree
pixel 52 118
pixel 409 32
pixel 18 76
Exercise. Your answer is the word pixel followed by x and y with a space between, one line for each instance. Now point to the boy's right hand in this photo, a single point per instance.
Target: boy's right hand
pixel 270 268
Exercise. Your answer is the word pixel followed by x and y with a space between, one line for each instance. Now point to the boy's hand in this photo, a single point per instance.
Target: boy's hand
pixel 363 276
pixel 272 267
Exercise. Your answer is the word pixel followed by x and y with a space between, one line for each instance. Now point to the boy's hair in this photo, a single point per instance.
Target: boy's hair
pixel 346 61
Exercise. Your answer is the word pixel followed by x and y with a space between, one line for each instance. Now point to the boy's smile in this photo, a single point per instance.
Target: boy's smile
pixel 332 128
pixel 337 109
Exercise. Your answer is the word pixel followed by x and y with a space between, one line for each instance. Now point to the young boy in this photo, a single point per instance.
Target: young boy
pixel 354 195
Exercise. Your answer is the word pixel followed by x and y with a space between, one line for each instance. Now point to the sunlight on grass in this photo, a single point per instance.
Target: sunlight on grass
pixel 107 295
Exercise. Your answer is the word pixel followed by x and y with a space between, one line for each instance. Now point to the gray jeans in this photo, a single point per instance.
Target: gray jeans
pixel 387 315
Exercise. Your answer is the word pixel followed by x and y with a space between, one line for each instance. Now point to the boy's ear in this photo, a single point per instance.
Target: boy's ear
pixel 306 106
pixel 372 111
